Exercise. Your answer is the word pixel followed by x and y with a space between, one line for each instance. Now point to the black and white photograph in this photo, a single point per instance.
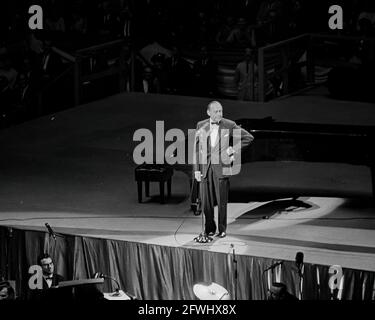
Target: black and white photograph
pixel 215 152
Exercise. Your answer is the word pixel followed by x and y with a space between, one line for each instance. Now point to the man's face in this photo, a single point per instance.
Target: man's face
pixel 248 54
pixel 4 294
pixel 47 266
pixel 215 112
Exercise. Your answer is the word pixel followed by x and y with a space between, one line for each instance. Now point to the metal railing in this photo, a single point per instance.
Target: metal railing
pixel 115 65
pixel 278 60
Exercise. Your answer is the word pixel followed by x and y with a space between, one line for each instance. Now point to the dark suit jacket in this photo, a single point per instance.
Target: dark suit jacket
pixel 229 134
pixel 46 294
pixel 56 278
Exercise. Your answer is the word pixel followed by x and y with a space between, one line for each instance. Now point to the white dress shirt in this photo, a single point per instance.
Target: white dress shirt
pixel 214 129
pixel 48 281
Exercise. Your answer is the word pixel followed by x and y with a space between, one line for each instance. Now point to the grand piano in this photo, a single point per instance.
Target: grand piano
pixel 281 141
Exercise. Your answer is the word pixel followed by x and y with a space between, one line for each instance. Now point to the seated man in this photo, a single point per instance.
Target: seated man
pixel 50 278
pixel 6 291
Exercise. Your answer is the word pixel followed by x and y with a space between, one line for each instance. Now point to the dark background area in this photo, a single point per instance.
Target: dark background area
pixel 179 47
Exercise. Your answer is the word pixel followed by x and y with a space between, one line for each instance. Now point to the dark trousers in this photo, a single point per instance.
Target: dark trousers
pixel 214 191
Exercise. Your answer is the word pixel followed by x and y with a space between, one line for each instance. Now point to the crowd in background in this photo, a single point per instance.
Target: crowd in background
pixel 160 29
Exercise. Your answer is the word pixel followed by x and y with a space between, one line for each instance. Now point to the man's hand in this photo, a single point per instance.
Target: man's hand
pixel 230 153
pixel 198 176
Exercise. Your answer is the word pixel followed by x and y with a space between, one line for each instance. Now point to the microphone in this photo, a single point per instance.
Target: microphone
pixel 274 265
pixel 234 252
pixel 98 275
pixel 50 231
pixel 101 275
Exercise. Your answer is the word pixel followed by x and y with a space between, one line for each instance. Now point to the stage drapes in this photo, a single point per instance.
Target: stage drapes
pixel 162 273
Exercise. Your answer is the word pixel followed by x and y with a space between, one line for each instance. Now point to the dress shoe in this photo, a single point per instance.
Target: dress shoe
pixel 222 234
pixel 211 234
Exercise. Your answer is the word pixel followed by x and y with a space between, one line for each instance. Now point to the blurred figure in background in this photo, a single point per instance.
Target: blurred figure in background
pixel 179 73
pixel 245 77
pixel 278 291
pixel 225 30
pixel 205 71
pixel 242 34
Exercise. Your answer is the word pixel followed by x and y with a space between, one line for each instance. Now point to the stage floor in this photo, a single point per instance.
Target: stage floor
pixel 75 170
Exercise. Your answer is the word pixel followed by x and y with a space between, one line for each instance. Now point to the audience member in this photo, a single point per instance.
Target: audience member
pixel 246 9
pixel 245 77
pixel 271 18
pixel 242 34
pixel 204 73
pixel 8 92
pixel 147 84
pixel 179 73
pixel 225 30
pixel 6 291
pixel 7 71
pixel 106 21
pixel 126 25
pixel 201 29
pixel 159 71
pixel 51 63
pixel 78 28
pixel 278 291
pixel 153 48
pixel 54 21
pixel 366 23
pixel 126 64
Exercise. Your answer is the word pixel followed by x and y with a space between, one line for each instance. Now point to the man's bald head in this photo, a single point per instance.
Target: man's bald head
pixel 213 103
pixel 215 111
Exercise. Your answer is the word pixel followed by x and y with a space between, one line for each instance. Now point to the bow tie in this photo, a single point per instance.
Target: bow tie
pixel 217 123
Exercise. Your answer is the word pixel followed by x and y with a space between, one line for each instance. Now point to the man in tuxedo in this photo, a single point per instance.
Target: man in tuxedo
pixel 219 143
pixel 50 280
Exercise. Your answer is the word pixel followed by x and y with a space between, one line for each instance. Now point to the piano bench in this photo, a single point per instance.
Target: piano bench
pixel 154 173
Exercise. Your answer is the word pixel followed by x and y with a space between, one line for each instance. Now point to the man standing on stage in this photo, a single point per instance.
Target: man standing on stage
pixel 218 145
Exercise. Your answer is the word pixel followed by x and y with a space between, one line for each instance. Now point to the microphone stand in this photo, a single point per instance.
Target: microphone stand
pixel 318 283
pixel 103 276
pixel 51 233
pixel 235 273
pixel 273 266
pixel 117 290
pixel 203 237
pixel 300 280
